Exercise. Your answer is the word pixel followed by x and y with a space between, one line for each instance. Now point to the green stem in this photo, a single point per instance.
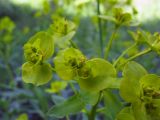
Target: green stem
pixel 109 45
pixel 100 29
pixel 94 108
pixel 73 88
pixel 123 53
pixel 138 55
pixel 73 44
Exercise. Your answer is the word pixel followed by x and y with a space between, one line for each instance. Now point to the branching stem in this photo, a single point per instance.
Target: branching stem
pixel 94 108
pixel 72 87
pixel 109 45
pixel 123 53
pixel 138 55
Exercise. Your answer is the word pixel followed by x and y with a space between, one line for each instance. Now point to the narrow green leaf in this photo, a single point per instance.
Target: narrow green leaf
pixel 57 99
pixel 112 104
pixel 108 18
pixel 89 97
pixel 71 106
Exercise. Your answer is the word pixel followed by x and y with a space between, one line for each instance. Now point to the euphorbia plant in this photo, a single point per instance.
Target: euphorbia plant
pixel 97 77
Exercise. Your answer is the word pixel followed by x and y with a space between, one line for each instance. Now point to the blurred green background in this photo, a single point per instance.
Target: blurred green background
pixel 20 19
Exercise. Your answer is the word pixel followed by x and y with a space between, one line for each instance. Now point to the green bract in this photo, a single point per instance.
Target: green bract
pixel 23 116
pixel 39 47
pixel 57 86
pixel 151 95
pixel 156 44
pixel 140 36
pixel 6 30
pixel 119 18
pixel 150 81
pixel 38 74
pixel 130 86
pixel 6 24
pixel 62 31
pixel 97 74
pixel 142 90
pixel 67 63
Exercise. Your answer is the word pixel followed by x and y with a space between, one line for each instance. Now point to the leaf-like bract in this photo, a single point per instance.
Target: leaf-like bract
pixel 40 46
pixel 37 74
pixel 98 74
pixel 56 86
pixel 130 89
pixel 151 81
pixel 67 62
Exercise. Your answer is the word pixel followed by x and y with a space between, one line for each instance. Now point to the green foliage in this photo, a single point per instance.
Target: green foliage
pixel 71 106
pixel 95 77
pixel 112 104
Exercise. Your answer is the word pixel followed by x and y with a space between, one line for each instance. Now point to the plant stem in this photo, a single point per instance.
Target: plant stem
pixel 94 108
pixel 110 43
pixel 73 44
pixel 100 29
pixel 138 55
pixel 123 53
pixel 73 88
